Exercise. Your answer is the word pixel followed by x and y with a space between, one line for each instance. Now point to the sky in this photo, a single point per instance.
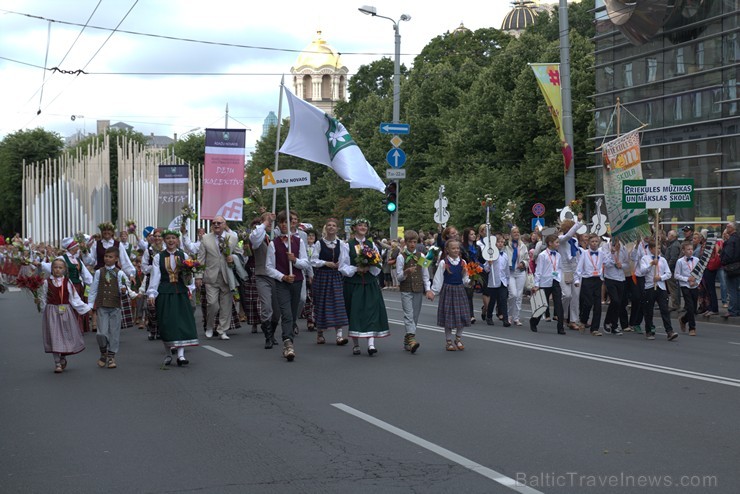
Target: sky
pixel 150 82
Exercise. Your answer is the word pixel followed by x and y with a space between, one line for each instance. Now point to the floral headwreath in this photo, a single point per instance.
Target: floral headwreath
pixel 359 220
pixel 106 225
pixel 170 232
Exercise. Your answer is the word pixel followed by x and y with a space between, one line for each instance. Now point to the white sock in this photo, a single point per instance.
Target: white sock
pixel 370 342
pixel 181 352
pixel 339 332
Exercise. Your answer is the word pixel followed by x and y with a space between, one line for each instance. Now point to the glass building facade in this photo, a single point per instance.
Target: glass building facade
pixel 683 83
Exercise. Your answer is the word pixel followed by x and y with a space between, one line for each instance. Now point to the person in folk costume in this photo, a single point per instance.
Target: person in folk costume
pixel 99 247
pixel 327 289
pixel 169 287
pixel 294 221
pixel 308 307
pixel 154 247
pixel 215 253
pixel 285 251
pixel 248 288
pixel 127 246
pixel 60 302
pixel 97 252
pixel 108 290
pixel 453 309
pixel 413 279
pixel 76 272
pixel 362 295
pixel 518 255
pixel 260 241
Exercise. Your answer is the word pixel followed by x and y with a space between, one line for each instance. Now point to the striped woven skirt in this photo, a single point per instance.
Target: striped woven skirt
pixel 127 312
pixel 61 331
pixel 453 309
pixel 249 299
pixel 327 293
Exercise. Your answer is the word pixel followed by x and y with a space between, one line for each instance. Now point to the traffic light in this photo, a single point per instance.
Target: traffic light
pixel 390 198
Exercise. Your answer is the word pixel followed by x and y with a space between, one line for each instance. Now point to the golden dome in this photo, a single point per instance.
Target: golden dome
pixel 522 15
pixel 318 54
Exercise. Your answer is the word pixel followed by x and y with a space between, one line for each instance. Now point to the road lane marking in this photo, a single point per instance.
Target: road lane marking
pixel 216 350
pixel 733 343
pixel 439 450
pixel 727 381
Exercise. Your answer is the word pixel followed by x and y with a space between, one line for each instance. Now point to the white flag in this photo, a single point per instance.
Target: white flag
pixel 317 137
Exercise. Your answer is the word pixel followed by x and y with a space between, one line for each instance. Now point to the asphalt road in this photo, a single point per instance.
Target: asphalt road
pixel 561 414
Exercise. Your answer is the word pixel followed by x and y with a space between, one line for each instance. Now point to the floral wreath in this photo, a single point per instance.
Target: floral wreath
pixel 106 225
pixel 170 232
pixel 357 221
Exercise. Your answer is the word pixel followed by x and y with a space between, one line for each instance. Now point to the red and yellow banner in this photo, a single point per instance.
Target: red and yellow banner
pixel 548 78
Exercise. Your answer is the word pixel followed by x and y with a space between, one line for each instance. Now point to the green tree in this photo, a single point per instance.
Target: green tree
pixel 31 146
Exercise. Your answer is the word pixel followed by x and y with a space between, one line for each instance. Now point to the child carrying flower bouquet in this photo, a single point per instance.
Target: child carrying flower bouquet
pixel 453 310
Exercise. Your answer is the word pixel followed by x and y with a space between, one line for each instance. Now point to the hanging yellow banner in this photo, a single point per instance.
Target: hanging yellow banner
pixel 548 78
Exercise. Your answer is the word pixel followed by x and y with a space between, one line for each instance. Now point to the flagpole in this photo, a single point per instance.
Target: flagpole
pixel 290 234
pixel 277 142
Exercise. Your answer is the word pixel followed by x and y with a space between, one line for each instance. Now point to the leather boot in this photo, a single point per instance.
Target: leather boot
pixel 267 331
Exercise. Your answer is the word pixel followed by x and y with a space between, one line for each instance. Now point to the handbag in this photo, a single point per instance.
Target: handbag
pixel 529 281
pixel 733 269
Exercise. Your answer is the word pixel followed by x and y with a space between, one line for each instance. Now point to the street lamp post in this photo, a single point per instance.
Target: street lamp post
pixel 372 11
pixel 175 143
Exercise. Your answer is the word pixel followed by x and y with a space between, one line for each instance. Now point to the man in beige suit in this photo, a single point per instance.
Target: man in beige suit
pixel 215 252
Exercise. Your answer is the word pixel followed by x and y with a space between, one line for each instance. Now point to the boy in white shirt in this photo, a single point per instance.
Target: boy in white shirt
pixel 616 261
pixel 656 272
pixel 589 272
pixel 548 277
pixel 497 284
pixel 689 286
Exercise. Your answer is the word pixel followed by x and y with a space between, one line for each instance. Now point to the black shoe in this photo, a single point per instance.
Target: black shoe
pixel 561 331
pixel 173 350
pixel 269 343
pixel 672 335
pixel 182 361
pixel 489 321
pixel 356 350
pixel 151 337
pixel 532 326
pixel 167 360
pixel 372 351
pixel 507 324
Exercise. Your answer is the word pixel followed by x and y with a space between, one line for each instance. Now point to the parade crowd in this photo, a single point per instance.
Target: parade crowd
pixel 279 271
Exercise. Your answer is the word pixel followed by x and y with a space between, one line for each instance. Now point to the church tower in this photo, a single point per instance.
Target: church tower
pixel 319 76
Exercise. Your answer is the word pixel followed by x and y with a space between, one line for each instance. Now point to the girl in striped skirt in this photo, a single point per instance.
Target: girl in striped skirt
pixel 453 309
pixel 327 289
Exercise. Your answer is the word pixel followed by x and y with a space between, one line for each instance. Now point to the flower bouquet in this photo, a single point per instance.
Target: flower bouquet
pixel 474 270
pixel 81 240
pixel 367 256
pixel 33 284
pixel 576 205
pixel 509 213
pixel 191 268
pixel 130 226
pixel 188 213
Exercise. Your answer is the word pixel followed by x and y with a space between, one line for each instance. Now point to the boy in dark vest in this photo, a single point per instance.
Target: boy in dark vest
pixel 414 283
pixel 109 285
pixel 286 260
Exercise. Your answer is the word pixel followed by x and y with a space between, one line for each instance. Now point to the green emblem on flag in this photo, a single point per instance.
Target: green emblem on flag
pixel 337 136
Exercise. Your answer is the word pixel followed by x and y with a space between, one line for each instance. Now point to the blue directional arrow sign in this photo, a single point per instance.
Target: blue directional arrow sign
pixel 394 128
pixel 396 157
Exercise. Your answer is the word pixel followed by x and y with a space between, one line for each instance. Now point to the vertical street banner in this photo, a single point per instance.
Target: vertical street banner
pixel 548 79
pixel 622 162
pixel 223 177
pixel 173 194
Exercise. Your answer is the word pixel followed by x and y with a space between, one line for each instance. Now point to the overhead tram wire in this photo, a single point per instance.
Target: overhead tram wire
pixel 66 54
pixel 193 40
pixel 93 57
